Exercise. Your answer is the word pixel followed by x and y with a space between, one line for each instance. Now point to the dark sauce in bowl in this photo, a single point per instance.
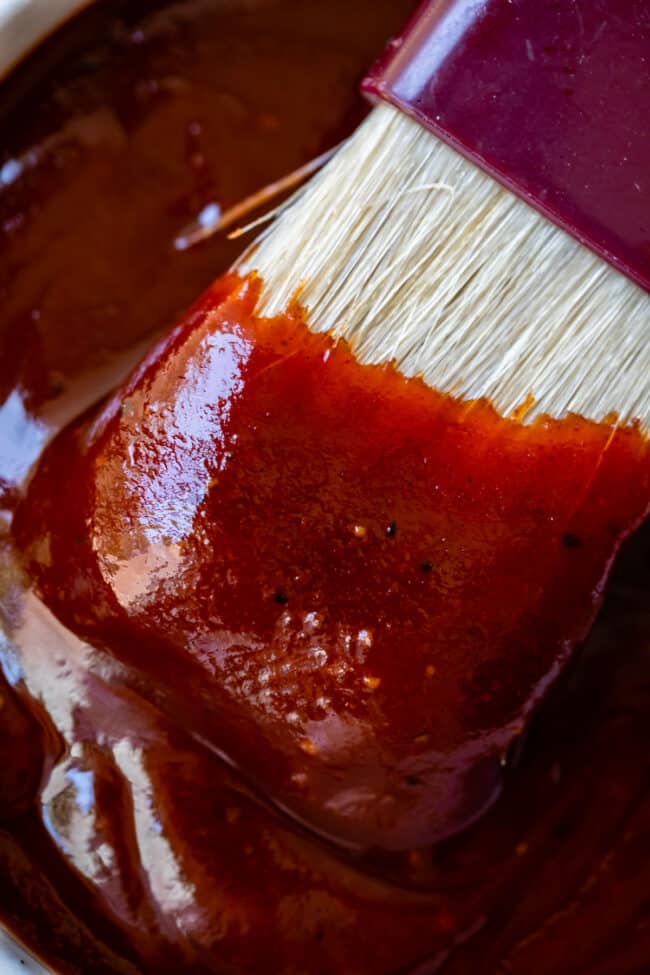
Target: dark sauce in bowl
pixel 125 845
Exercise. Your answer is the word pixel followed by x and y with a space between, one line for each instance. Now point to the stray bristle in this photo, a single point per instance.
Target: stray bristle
pixel 413 254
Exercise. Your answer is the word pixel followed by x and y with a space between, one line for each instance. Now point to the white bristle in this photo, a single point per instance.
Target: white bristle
pixel 413 254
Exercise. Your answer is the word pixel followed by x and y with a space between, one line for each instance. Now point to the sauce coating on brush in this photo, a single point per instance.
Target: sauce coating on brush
pixel 351 586
pixel 127 845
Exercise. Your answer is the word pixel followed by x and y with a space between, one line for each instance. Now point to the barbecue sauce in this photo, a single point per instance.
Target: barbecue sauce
pixel 161 808
pixel 353 587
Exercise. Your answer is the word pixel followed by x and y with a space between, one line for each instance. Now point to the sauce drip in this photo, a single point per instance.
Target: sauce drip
pixel 126 845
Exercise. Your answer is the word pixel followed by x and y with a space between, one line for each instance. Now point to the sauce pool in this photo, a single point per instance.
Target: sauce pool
pixel 126 845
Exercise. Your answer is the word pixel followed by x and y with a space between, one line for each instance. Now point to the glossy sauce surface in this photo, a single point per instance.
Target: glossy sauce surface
pixel 128 846
pixel 353 588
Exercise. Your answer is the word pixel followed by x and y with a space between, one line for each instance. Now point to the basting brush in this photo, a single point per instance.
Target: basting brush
pixel 424 242
pixel 357 586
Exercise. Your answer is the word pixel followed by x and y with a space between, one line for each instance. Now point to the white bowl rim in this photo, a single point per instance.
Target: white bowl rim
pixel 26 23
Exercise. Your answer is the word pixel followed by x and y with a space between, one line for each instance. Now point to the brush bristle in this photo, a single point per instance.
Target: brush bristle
pixel 412 254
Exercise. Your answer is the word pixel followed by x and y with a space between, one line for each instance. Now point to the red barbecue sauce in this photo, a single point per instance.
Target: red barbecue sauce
pixel 274 622
pixel 352 586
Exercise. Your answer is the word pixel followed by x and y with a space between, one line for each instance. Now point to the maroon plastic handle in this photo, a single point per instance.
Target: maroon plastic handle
pixel 551 97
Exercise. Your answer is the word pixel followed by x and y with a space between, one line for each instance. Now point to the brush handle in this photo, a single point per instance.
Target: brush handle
pixel 550 98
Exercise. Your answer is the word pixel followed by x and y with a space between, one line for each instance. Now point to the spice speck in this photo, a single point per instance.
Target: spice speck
pixel 571 541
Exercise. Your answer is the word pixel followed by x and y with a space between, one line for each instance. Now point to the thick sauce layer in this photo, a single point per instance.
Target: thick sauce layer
pixel 351 586
pixel 128 846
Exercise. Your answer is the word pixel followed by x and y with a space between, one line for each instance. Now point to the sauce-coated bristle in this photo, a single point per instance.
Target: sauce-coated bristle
pixel 411 253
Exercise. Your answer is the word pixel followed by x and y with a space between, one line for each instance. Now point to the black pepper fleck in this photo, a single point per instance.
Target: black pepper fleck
pixel 563 829
pixel 571 541
pixel 412 780
pixel 474 632
pixel 426 566
pixel 391 531
pixel 281 598
pixel 57 387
